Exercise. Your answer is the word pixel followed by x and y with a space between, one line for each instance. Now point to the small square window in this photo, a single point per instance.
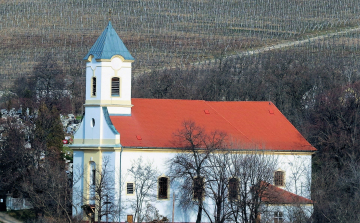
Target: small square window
pixel 130 188
pixel 278 217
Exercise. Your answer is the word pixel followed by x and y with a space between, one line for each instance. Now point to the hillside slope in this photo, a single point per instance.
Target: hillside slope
pixel 158 33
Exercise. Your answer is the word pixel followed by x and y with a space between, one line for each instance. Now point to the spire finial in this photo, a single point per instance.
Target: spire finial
pixel 109 14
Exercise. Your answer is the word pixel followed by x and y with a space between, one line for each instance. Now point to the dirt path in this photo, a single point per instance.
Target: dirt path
pixel 7 219
pixel 292 43
pixel 268 48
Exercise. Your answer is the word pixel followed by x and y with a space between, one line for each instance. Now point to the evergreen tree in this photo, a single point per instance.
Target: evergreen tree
pixel 48 128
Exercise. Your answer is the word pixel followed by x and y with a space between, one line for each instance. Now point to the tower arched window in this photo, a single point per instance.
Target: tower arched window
pixel 115 86
pixel 93 86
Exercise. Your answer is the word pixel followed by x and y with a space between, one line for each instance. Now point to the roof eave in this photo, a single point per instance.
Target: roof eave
pixel 240 150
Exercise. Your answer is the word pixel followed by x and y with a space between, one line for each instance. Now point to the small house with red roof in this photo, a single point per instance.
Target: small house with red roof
pixel 120 129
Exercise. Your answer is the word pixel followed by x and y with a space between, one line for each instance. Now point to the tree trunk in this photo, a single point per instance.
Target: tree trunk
pixel 198 218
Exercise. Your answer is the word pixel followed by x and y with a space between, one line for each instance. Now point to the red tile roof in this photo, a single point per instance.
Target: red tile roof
pixel 153 122
pixel 276 195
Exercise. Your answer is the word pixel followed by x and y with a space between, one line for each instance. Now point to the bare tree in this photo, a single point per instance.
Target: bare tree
pixel 225 182
pixel 100 191
pixel 189 165
pixel 253 169
pixel 144 175
pixel 48 188
pixel 152 214
pixel 219 186
pixel 298 213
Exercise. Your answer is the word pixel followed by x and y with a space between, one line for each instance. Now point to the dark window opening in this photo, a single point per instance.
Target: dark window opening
pixel 163 188
pixel 198 188
pixel 93 176
pixel 130 188
pixel 233 188
pixel 93 86
pixel 115 86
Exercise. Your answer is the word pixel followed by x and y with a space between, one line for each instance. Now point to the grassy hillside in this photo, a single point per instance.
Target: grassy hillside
pixel 158 33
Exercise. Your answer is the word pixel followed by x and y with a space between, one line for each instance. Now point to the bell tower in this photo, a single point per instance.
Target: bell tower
pixel 108 74
pixel 108 93
pixel 108 90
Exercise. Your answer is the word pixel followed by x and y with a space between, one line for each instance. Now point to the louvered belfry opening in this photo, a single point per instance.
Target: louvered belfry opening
pixel 115 86
pixel 93 86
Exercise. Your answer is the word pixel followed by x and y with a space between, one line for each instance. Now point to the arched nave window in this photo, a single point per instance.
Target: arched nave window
pixel 233 188
pixel 163 187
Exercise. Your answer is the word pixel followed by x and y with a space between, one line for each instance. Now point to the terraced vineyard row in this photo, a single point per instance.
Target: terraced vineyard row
pixel 159 33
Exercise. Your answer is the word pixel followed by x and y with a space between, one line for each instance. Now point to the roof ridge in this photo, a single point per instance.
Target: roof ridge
pixel 283 191
pixel 228 121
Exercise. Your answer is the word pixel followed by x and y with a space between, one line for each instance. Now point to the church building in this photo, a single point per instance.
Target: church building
pixel 116 130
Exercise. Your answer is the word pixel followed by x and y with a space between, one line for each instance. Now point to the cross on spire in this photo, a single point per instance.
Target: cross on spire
pixel 109 14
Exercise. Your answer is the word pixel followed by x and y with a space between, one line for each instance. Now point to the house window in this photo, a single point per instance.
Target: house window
pixel 198 188
pixel 279 178
pixel 115 86
pixel 93 92
pixel 278 217
pixel 130 188
pixel 163 188
pixel 233 188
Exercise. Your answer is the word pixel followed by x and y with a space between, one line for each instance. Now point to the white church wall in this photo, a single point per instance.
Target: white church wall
pixel 159 161
pixel 121 111
pixel 297 170
pixel 98 131
pixel 78 167
pixel 93 122
pixel 288 163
